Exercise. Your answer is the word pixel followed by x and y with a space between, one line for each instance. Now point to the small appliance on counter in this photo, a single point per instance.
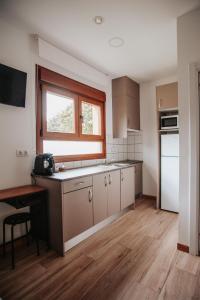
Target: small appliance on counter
pixel 44 164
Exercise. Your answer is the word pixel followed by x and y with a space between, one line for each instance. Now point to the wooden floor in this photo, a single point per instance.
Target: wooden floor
pixel 134 258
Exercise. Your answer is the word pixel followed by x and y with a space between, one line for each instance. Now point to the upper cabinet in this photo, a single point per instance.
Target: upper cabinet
pixel 126 106
pixel 167 96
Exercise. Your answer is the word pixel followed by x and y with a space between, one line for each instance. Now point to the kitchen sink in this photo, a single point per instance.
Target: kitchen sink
pixel 108 166
pixel 122 165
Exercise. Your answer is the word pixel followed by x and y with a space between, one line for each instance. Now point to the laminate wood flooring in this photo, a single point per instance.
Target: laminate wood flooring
pixel 134 258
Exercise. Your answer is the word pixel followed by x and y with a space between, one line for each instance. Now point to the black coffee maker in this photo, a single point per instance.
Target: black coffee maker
pixel 44 164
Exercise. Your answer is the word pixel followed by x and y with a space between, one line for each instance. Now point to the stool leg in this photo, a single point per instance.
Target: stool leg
pixel 4 239
pixel 12 245
pixel 38 248
pixel 27 234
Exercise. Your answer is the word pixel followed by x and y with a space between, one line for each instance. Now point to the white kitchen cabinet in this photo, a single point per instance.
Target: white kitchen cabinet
pixel 138 180
pixel 113 193
pixel 106 195
pixel 127 187
pixel 78 204
pixel 167 96
pixel 100 197
pixel 125 106
pixel 77 212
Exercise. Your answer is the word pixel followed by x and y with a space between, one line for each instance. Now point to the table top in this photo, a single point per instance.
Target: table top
pixel 20 191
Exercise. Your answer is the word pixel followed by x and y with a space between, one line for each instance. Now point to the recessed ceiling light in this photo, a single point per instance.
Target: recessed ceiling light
pixel 116 42
pixel 98 20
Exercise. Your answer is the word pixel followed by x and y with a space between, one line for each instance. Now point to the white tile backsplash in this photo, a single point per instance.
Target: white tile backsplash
pixel 117 149
pixel 130 148
pixel 131 156
pixel 138 148
pixel 77 164
pixel 134 141
pixel 138 156
pixel 138 139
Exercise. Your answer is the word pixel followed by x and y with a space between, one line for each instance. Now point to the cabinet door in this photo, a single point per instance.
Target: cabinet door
pixel 100 197
pixel 127 187
pixel 119 116
pixel 138 179
pixel 77 212
pixel 113 192
pixel 167 96
pixel 133 113
pixel 125 106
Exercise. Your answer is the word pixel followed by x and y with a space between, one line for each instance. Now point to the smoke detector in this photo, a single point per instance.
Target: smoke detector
pixel 116 42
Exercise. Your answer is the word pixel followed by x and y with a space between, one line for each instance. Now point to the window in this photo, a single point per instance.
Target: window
pixel 70 118
pixel 60 111
pixel 91 118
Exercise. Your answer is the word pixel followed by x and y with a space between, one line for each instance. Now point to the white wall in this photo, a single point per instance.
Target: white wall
pixel 188 35
pixel 148 119
pixel 20 50
pixel 17 125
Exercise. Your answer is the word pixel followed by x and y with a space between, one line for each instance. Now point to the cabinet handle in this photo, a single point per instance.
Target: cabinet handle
pixel 105 181
pixel 110 179
pixel 79 183
pixel 122 176
pixel 90 195
pixel 160 103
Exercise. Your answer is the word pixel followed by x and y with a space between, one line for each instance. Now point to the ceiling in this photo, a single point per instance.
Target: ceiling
pixel 148 28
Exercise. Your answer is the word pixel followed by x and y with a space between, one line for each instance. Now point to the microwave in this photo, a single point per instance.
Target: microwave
pixel 169 122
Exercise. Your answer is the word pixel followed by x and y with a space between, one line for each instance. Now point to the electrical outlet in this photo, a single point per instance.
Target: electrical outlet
pixel 21 153
pixel 25 153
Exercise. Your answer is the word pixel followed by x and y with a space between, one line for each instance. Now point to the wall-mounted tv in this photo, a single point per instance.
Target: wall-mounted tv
pixel 12 86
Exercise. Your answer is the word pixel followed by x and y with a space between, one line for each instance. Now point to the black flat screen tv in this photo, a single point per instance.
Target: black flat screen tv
pixel 12 86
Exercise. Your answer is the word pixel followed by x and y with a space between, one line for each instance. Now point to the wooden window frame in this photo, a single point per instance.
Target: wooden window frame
pixel 57 83
pixel 87 136
pixel 47 135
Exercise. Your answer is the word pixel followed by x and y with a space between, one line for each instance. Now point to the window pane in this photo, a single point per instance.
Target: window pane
pixel 91 118
pixel 59 148
pixel 60 113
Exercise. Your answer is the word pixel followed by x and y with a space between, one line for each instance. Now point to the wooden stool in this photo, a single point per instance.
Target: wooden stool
pixel 12 220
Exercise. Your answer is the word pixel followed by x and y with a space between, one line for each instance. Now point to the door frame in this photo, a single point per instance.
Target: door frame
pixel 194 151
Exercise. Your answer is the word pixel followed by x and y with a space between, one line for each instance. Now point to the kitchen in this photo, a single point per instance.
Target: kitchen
pixel 110 200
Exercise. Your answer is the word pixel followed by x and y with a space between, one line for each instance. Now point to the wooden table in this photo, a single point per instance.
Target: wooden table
pixel 34 196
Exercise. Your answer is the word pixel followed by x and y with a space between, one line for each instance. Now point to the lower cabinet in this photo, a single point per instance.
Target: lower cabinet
pixel 138 179
pixel 106 195
pixel 78 204
pixel 77 212
pixel 127 187
pixel 100 197
pixel 114 205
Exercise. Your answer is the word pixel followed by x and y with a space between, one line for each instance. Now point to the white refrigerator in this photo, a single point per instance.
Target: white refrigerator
pixel 170 172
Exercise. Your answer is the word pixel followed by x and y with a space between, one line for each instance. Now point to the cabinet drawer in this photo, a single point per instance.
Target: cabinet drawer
pixel 76 184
